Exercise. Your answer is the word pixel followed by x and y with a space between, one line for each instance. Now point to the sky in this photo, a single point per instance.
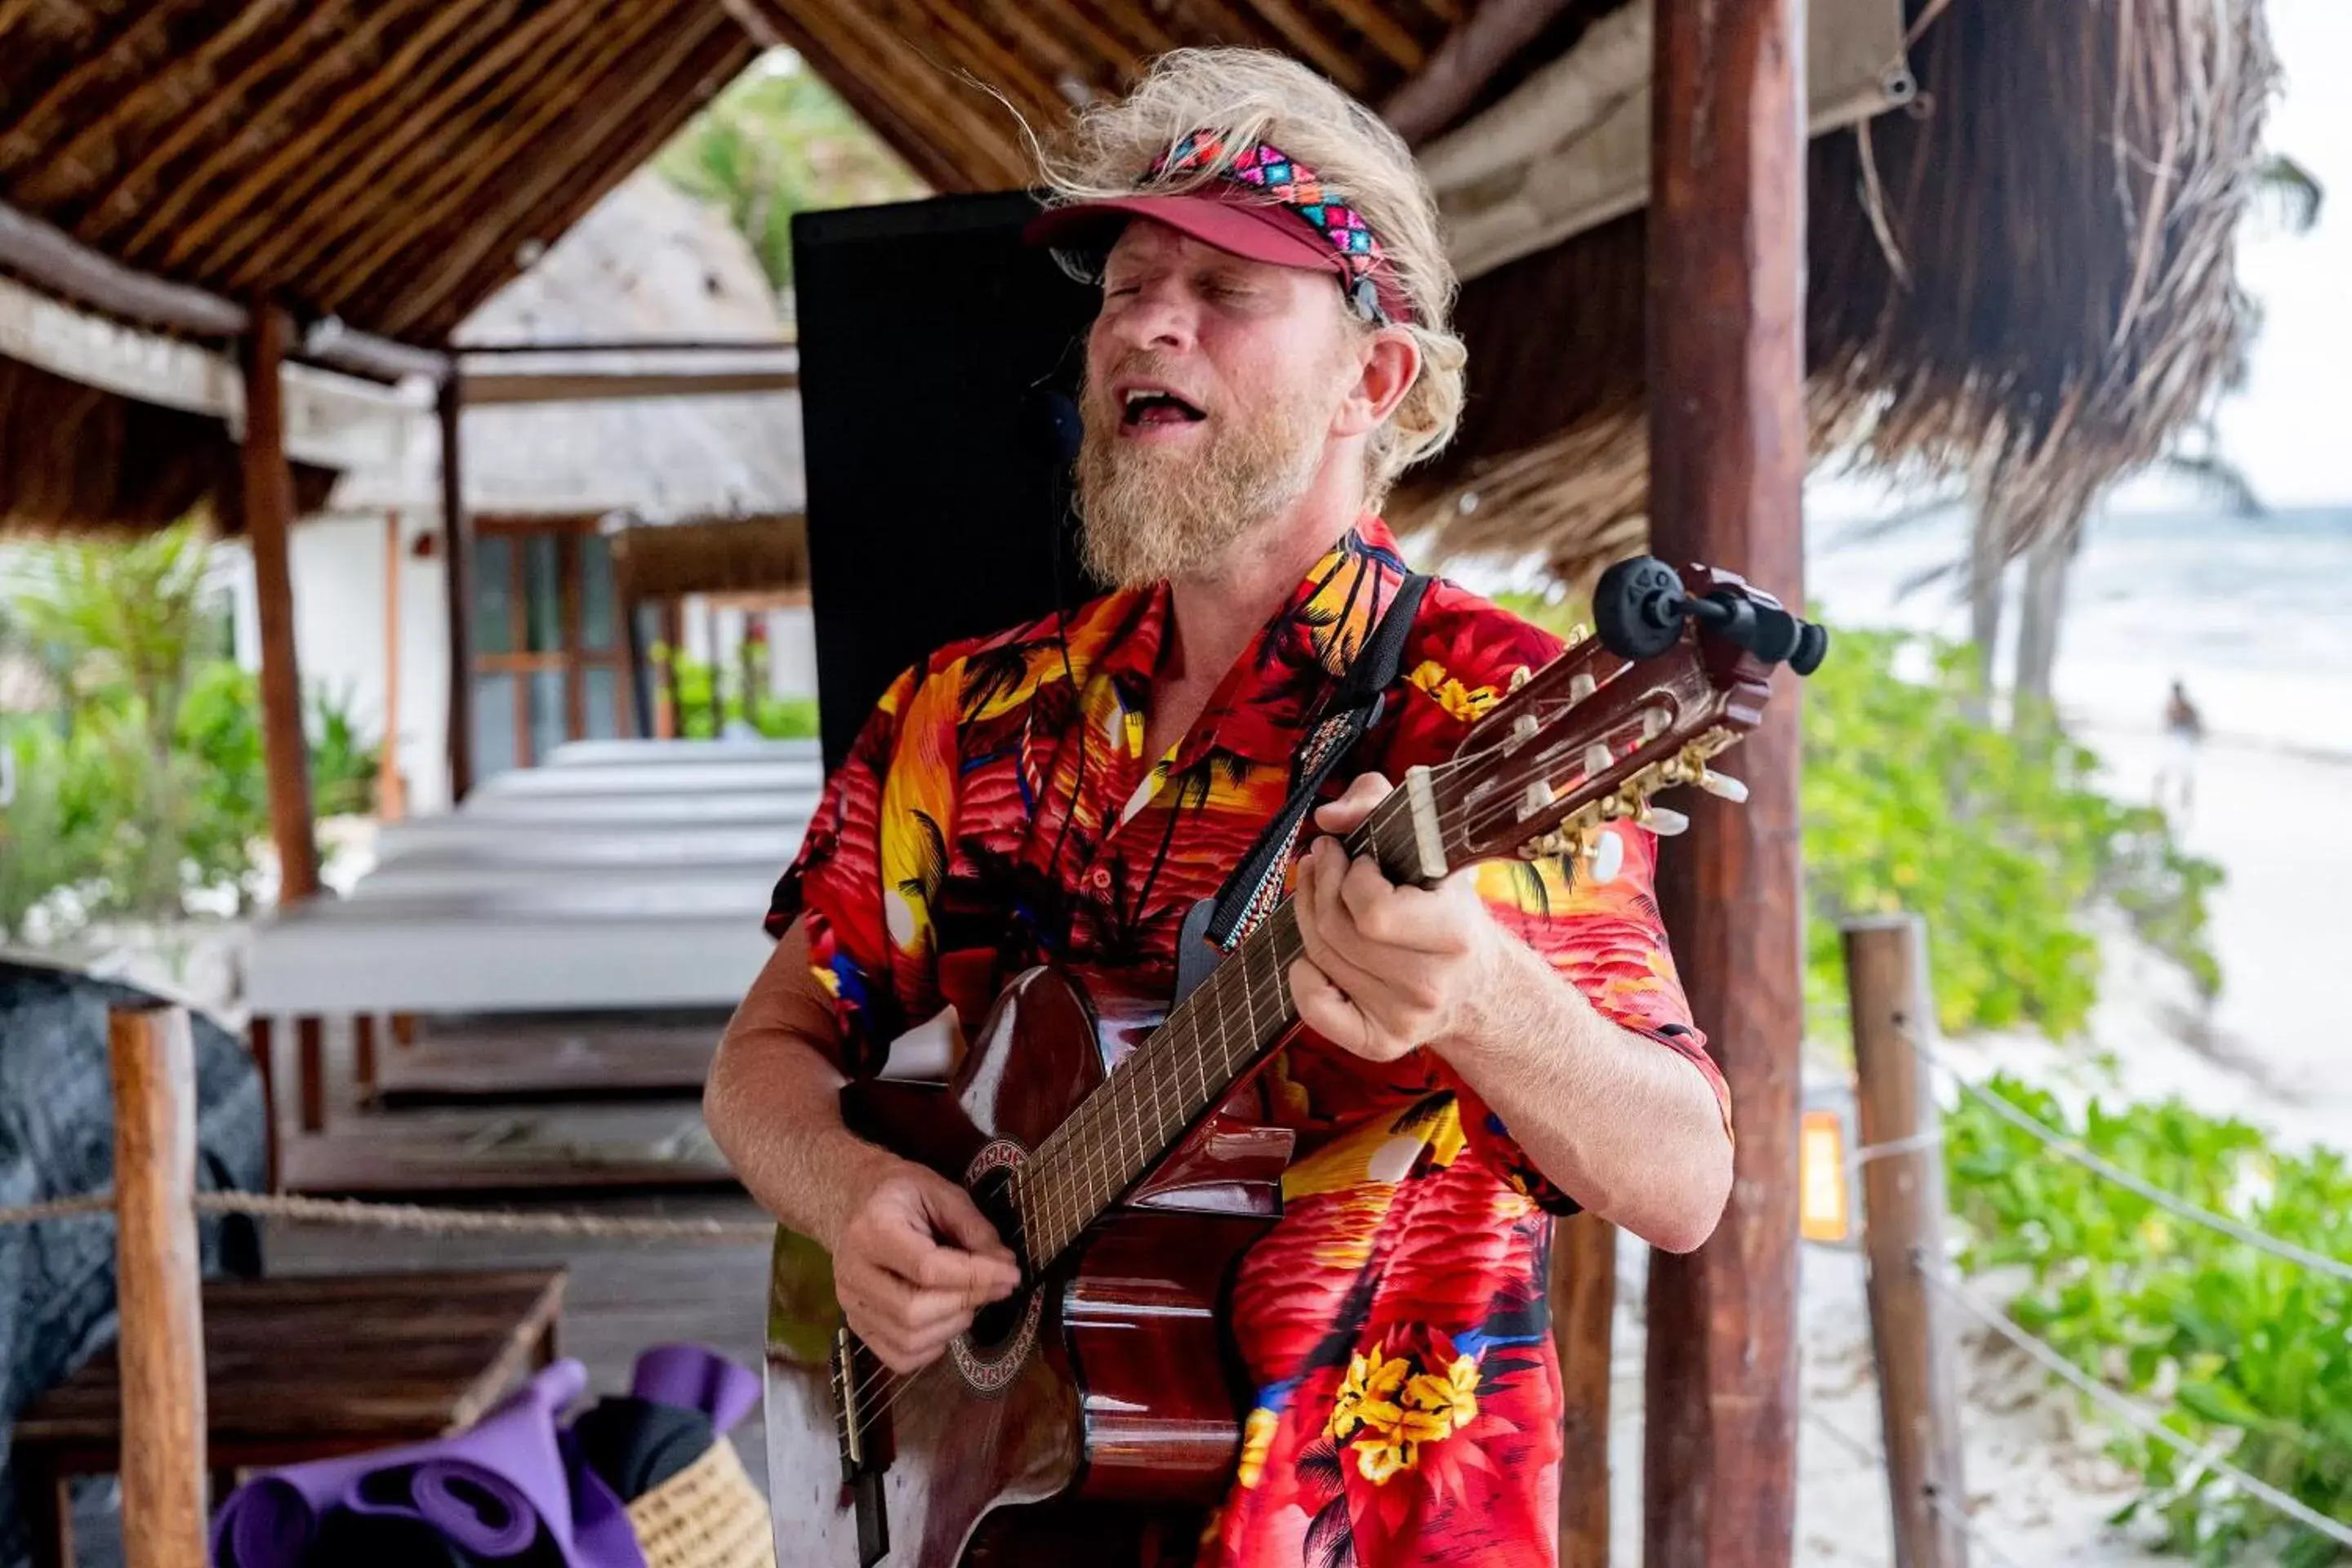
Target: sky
pixel 2291 430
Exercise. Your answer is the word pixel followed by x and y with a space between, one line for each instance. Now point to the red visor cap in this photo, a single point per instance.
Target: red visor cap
pixel 1234 221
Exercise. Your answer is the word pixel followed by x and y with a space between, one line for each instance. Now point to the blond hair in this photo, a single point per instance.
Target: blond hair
pixel 1247 95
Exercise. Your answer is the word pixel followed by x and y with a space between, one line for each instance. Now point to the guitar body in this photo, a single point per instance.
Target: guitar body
pixel 1096 1419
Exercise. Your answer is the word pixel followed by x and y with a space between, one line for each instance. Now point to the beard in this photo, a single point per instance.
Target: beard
pixel 1153 512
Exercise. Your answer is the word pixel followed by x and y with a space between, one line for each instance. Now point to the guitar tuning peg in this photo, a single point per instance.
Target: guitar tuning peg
pixel 1665 821
pixel 1604 856
pixel 1722 785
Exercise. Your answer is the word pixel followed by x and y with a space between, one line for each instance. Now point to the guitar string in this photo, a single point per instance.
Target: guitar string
pixel 1455 834
pixel 1105 1168
pixel 1113 1169
pixel 1284 933
pixel 1198 1041
pixel 1278 930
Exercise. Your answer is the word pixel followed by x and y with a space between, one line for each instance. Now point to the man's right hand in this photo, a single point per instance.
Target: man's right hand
pixel 912 1263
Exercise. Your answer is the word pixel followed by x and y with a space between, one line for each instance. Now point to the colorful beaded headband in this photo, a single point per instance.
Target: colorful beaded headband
pixel 1264 168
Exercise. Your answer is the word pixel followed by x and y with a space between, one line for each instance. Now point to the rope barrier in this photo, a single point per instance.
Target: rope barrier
pixel 1958 1517
pixel 415 1218
pixel 58 1208
pixel 2073 1149
pixel 2134 1413
pixel 1945 1510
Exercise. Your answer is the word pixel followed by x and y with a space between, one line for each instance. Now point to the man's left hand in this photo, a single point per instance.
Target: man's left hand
pixel 1387 968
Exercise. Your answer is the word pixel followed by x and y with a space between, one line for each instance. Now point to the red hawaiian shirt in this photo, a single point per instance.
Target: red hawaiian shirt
pixel 997 812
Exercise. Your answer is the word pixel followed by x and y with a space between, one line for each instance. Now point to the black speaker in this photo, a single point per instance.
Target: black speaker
pixel 933 348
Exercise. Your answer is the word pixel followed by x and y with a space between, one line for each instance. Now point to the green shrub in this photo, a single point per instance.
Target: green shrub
pixel 2252 1354
pixel 1999 839
pixel 776 717
pixel 36 858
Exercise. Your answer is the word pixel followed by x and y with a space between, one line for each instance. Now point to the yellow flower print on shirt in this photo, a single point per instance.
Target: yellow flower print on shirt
pixel 1257 1440
pixel 1390 1409
pixel 1460 701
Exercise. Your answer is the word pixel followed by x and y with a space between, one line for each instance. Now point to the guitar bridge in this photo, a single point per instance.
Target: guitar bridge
pixel 863 1457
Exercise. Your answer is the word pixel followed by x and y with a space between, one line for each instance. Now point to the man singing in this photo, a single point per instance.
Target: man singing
pixel 1272 352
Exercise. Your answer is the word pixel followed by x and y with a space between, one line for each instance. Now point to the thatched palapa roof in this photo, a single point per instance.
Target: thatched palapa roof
pixel 2026 270
pixel 2027 273
pixel 389 163
pixel 647 264
pixel 2028 276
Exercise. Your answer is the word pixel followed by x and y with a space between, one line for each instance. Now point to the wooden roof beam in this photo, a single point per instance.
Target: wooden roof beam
pixel 151 194
pixel 53 258
pixel 438 92
pixel 290 173
pixel 947 140
pixel 1464 62
pixel 1300 33
pixel 58 262
pixel 624 146
pixel 880 110
pixel 628 96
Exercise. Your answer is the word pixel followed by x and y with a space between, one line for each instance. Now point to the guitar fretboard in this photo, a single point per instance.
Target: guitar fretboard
pixel 1233 1020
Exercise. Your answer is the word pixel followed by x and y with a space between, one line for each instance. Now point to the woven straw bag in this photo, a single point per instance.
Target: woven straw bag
pixel 708 1515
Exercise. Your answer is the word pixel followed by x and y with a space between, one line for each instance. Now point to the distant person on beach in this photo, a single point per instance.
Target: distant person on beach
pixel 2184 727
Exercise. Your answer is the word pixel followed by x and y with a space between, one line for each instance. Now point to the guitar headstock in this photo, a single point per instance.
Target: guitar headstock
pixel 1674 677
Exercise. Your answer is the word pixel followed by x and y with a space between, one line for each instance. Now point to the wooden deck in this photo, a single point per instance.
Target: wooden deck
pixel 622 1297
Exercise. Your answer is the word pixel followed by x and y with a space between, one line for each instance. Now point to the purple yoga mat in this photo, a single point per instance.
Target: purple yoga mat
pixel 695 1378
pixel 512 1455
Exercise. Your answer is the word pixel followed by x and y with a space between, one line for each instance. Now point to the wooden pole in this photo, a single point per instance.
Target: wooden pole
pixel 391 791
pixel 263 1041
pixel 1726 471
pixel 458 558
pixel 268 524
pixel 717 669
pixel 363 1064
pixel 159 1282
pixel 1583 1325
pixel 1902 1222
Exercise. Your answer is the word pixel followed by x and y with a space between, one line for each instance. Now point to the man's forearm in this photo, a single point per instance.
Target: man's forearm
pixel 1631 1131
pixel 773 1104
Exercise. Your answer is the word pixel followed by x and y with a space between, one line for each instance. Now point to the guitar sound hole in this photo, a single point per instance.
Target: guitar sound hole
pixel 995 1325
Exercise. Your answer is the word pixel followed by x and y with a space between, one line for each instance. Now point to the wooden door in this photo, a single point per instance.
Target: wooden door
pixel 551 661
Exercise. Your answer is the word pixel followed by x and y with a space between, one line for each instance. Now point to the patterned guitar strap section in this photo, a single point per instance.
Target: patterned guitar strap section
pixel 1216 926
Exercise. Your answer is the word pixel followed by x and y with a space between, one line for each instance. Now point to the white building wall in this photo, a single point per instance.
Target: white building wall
pixel 338 569
pixel 338 566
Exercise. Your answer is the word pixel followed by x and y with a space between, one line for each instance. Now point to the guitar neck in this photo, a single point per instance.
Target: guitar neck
pixel 1232 1021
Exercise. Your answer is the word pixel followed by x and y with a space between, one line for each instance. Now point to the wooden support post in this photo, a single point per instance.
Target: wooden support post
pixel 363 1057
pixel 717 669
pixel 1902 1222
pixel 269 499
pixel 1583 1325
pixel 457 559
pixel 310 1071
pixel 264 1044
pixel 1726 471
pixel 158 1282
pixel 391 788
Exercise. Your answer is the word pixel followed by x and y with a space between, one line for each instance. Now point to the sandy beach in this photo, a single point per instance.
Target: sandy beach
pixel 2247 614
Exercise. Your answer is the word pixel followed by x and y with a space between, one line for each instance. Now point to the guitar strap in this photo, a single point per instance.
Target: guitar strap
pixel 1352 707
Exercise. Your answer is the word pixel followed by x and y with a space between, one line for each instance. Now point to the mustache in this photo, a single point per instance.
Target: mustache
pixel 1139 364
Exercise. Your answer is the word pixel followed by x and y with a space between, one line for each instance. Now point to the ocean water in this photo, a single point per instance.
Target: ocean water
pixel 2253 614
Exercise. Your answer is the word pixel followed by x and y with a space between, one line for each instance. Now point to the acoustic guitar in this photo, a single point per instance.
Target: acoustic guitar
pixel 1072 1423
